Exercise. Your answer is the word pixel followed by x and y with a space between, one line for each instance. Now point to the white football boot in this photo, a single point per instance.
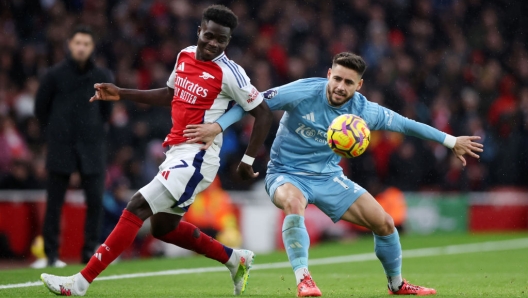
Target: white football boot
pixel 239 265
pixel 39 263
pixel 59 264
pixel 75 285
pixel 43 263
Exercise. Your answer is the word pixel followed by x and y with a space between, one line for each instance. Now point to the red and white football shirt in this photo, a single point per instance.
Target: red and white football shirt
pixel 203 91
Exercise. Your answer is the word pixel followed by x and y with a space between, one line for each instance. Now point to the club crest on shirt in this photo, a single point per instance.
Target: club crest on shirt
pixel 206 76
pixel 271 93
pixel 252 95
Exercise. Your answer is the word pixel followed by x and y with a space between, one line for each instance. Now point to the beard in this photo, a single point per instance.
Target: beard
pixel 337 98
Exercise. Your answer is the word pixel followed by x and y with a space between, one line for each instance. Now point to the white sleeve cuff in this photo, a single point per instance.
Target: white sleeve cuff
pixel 449 141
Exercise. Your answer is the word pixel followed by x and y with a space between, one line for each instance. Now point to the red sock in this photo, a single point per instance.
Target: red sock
pixel 188 236
pixel 121 237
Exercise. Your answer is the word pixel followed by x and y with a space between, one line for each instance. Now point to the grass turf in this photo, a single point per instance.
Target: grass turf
pixel 482 274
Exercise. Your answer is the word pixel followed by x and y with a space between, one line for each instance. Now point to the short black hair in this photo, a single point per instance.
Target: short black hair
pixel 221 15
pixel 350 60
pixel 83 30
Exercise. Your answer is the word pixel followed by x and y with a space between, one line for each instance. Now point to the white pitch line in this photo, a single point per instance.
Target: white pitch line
pixel 411 253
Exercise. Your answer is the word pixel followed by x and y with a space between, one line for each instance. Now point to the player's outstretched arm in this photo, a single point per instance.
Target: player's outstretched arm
pixel 466 145
pixel 382 118
pixel 261 127
pixel 155 97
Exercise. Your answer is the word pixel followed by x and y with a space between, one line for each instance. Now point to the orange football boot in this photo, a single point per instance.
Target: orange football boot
pixel 410 289
pixel 307 288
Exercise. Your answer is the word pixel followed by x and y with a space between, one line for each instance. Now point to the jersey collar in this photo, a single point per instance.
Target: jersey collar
pixel 219 57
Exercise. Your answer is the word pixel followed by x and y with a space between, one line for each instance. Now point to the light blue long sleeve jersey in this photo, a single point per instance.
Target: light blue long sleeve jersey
pixel 300 145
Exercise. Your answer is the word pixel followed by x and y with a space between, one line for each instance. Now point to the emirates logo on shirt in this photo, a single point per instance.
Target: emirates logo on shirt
pixel 189 91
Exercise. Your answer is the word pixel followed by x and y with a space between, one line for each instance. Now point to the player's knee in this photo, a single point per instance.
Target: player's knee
pixel 159 232
pixel 136 203
pixel 385 226
pixel 293 205
pixel 139 206
pixel 156 233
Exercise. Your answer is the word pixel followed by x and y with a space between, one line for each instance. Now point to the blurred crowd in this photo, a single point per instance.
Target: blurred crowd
pixel 460 66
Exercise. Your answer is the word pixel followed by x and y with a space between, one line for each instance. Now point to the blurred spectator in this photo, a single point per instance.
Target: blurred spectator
pixel 410 166
pixel 12 144
pixel 154 158
pixel 114 201
pixel 74 133
pixel 20 177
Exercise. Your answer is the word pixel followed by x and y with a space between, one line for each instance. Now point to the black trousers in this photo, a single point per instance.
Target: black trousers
pixel 93 186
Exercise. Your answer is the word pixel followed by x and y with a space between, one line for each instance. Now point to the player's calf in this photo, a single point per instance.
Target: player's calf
pixel 120 238
pixel 188 236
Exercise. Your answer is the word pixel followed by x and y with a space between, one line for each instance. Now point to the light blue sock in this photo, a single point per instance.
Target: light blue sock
pixel 296 241
pixel 388 250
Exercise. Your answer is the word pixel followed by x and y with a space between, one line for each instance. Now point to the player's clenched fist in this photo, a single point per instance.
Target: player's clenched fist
pixel 105 91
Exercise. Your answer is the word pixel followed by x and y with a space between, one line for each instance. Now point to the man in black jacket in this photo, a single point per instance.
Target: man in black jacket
pixel 74 131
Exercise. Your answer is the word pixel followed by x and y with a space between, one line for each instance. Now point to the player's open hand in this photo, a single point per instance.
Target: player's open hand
pixel 202 133
pixel 105 91
pixel 246 171
pixel 467 145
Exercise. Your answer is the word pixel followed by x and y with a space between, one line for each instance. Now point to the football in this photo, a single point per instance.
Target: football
pixel 348 136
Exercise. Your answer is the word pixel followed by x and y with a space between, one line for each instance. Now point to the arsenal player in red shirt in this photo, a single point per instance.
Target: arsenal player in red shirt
pixel 199 90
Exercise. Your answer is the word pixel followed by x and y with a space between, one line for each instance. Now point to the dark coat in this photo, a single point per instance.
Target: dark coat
pixel 73 127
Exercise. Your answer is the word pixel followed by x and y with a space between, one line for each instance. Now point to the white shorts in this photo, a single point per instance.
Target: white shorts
pixel 186 171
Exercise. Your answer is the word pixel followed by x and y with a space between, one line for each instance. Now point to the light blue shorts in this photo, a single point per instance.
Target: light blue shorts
pixel 333 194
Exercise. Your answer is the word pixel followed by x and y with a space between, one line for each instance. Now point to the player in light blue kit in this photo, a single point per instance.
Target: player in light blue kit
pixel 304 170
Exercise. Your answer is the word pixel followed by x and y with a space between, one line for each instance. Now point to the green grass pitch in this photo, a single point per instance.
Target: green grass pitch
pixel 498 273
